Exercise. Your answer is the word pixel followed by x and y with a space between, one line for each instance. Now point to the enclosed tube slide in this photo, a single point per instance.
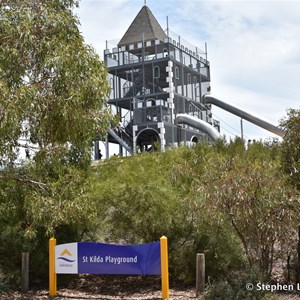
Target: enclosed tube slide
pixel 199 124
pixel 261 123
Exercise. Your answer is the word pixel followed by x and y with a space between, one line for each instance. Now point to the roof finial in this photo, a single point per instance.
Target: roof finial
pixel 145 2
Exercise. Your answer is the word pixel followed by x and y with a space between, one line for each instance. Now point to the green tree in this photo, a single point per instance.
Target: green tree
pixel 53 91
pixel 245 188
pixel 291 165
pixel 291 146
pixel 53 86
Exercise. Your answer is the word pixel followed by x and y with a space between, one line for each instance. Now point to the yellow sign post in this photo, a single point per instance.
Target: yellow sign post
pixel 164 267
pixel 52 273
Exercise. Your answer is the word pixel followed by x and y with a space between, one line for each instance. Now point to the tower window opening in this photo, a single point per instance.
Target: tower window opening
pixel 111 83
pixel 125 88
pixel 177 73
pixel 156 72
pixel 165 52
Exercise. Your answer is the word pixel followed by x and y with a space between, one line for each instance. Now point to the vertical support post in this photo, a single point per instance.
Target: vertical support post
pixel 164 267
pixel 200 273
pixel 52 274
pixel 96 150
pixel 25 271
pixel 106 147
pixel 242 129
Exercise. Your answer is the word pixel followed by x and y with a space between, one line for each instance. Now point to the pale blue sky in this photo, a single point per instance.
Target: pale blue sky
pixel 253 49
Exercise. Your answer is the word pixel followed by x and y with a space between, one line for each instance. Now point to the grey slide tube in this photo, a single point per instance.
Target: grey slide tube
pixel 199 124
pixel 244 115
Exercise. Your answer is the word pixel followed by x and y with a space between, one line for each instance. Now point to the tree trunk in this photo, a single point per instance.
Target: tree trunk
pixel 243 240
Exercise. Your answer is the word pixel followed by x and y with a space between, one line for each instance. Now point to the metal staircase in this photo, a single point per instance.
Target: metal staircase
pixel 119 137
pixel 136 87
pixel 123 136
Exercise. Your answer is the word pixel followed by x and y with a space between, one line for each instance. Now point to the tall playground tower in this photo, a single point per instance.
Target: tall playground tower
pixel 157 82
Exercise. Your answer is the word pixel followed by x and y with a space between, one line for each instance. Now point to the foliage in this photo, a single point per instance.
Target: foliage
pixel 146 196
pixel 4 285
pixel 53 86
pixel 30 213
pixel 222 251
pixel 291 166
pixel 246 188
pixel 137 187
pixel 53 91
pixel 234 286
pixel 211 199
pixel 291 146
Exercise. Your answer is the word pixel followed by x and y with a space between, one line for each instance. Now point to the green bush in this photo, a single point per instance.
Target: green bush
pixel 29 217
pixel 223 253
pixel 4 284
pixel 234 286
pixel 146 196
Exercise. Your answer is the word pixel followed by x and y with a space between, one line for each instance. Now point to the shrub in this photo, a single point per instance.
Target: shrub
pixel 146 196
pixel 234 286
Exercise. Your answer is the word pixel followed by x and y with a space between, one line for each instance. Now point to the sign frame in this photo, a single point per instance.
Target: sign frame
pixel 99 258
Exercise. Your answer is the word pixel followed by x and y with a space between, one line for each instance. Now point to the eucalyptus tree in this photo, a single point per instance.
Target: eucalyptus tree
pixel 52 85
pixel 291 165
pixel 291 146
pixel 246 189
pixel 53 91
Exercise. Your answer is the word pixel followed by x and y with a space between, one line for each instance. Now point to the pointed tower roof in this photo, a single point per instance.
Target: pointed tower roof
pixel 146 23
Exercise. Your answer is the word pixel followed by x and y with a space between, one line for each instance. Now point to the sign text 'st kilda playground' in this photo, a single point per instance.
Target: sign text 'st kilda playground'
pixel 98 258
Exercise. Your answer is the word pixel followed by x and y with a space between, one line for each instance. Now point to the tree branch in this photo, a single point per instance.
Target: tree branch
pixel 41 185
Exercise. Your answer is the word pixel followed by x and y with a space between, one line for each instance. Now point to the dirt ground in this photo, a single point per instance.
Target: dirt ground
pixel 117 288
pixel 108 287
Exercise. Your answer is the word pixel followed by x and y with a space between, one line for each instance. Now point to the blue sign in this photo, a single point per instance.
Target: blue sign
pixel 98 258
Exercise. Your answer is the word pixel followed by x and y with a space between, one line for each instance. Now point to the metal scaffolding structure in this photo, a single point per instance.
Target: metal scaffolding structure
pixel 154 75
